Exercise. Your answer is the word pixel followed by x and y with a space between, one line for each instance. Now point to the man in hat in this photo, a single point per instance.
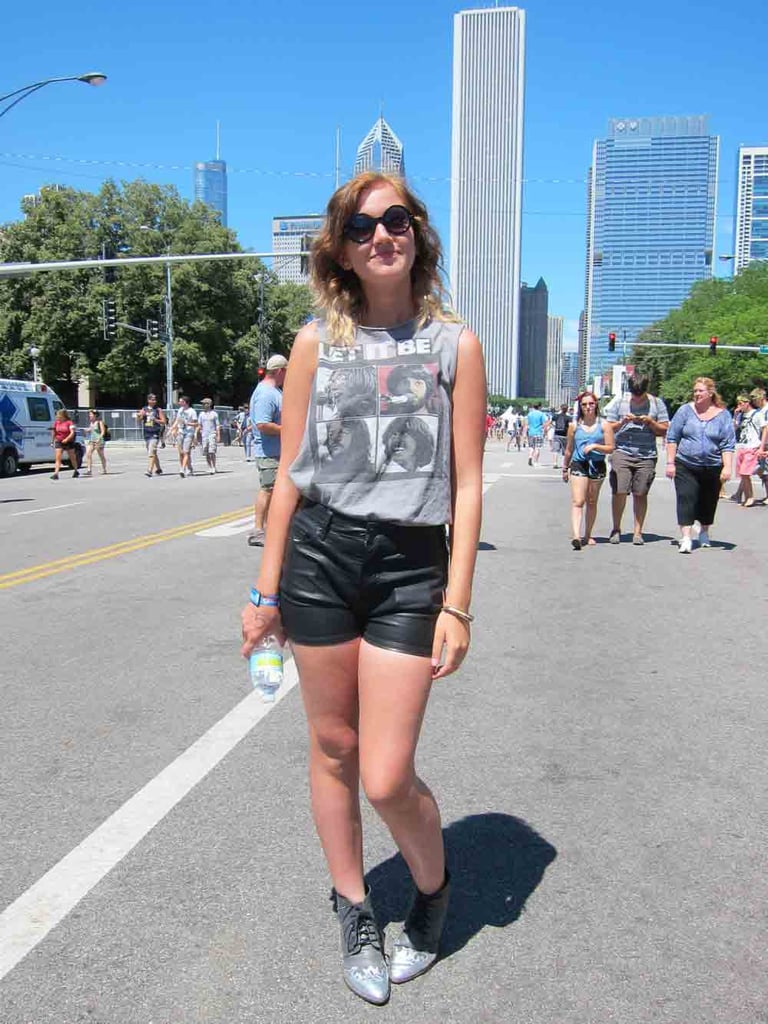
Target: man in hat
pixel 209 433
pixel 266 412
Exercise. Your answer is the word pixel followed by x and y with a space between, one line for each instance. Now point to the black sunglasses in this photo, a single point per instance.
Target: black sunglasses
pixel 361 227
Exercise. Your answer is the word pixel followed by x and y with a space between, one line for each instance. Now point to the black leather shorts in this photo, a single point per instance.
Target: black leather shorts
pixel 345 578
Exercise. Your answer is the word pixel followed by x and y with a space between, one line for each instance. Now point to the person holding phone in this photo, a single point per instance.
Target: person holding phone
pixel 355 569
pixel 639 419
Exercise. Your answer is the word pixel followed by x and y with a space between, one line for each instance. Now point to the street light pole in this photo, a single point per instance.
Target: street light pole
pixel 90 78
pixel 168 339
pixel 34 352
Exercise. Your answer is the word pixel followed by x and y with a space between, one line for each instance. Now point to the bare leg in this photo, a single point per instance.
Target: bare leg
pixel 593 493
pixel 640 508
pixel 578 501
pixel 329 688
pixel 261 507
pixel 746 489
pixel 618 503
pixel 394 688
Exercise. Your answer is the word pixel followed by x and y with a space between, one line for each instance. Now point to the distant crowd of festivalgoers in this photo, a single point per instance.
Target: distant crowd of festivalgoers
pixel 705 443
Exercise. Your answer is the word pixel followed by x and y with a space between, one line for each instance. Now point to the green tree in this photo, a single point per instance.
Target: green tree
pixel 215 303
pixel 736 312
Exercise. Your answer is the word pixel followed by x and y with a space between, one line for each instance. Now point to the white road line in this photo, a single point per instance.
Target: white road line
pixel 28 920
pixel 228 529
pixel 49 508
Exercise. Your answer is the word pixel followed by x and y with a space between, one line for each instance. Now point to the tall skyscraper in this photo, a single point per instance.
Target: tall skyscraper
pixel 553 389
pixel 752 206
pixel 651 209
pixel 486 182
pixel 569 378
pixel 211 182
pixel 381 150
pixel 534 303
pixel 288 236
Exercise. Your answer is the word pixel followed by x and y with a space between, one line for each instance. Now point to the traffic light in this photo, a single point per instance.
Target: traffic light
pixel 260 373
pixel 153 329
pixel 713 345
pixel 110 319
pixel 612 342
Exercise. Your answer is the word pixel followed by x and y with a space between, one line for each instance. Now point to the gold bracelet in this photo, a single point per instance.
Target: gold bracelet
pixel 464 616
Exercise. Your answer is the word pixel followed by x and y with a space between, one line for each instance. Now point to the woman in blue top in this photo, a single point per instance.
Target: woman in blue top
pixel 589 440
pixel 700 445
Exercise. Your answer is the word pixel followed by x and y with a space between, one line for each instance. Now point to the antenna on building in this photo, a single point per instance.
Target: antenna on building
pixel 218 140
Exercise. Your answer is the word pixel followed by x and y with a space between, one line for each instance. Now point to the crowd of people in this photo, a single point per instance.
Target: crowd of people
pixel 705 447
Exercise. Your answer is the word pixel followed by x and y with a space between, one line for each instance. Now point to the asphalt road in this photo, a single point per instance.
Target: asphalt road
pixel 599 761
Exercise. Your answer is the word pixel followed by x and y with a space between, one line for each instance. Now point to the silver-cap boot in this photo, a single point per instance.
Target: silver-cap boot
pixel 417 946
pixel 362 949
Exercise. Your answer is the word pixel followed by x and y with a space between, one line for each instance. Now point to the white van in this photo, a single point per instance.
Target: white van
pixel 26 417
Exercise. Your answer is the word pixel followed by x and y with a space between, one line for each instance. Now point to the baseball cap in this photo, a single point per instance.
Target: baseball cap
pixel 277 363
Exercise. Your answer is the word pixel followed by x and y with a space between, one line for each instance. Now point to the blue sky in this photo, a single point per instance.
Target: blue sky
pixel 281 76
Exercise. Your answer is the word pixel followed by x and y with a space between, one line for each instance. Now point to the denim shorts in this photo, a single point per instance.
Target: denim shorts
pixel 345 578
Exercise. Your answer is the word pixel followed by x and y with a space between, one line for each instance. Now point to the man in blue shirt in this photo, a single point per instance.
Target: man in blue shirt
pixel 537 425
pixel 266 412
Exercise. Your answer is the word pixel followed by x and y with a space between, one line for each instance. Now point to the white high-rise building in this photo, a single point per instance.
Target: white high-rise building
pixel 292 235
pixel 486 183
pixel 553 386
pixel 381 150
pixel 752 206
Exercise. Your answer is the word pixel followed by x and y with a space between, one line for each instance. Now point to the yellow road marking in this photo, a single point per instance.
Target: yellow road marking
pixel 38 572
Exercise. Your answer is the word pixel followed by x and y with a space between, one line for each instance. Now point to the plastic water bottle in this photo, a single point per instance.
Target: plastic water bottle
pixel 266 668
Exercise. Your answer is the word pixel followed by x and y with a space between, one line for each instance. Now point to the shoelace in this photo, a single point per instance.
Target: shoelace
pixel 361 930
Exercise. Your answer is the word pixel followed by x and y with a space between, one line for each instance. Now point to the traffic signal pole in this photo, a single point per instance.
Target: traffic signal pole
pixel 757 349
pixel 168 339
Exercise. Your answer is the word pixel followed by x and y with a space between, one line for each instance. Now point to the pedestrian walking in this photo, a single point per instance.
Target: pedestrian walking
pixel 153 422
pixel 588 441
pixel 209 433
pixel 63 439
pixel 561 421
pixel 184 432
pixel 749 434
pixel 700 445
pixel 94 442
pixel 355 569
pixel 266 417
pixel 536 425
pixel 640 418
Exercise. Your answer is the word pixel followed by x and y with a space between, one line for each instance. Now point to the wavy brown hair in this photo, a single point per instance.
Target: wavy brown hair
pixel 339 293
pixel 711 387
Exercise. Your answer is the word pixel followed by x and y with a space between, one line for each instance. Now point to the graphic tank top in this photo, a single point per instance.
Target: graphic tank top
pixel 377 442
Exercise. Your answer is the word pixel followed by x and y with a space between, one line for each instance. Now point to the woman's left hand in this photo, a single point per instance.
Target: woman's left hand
pixel 452 633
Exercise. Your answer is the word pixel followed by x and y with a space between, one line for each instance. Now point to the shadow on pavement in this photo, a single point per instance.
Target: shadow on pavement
pixel 11 501
pixel 496 861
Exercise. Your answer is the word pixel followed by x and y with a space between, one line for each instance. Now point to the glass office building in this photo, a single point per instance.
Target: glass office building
pixel 211 185
pixel 651 223
pixel 381 150
pixel 752 206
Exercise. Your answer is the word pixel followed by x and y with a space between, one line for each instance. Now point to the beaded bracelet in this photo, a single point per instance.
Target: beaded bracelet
pixel 464 616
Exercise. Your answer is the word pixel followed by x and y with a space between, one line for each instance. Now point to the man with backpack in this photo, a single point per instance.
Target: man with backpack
pixel 561 421
pixel 640 419
pixel 153 420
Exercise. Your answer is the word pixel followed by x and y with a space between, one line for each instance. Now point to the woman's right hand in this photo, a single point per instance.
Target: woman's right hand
pixel 670 471
pixel 259 621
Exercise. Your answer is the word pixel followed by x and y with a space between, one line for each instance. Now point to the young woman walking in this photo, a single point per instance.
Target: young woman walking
pixel 589 440
pixel 355 569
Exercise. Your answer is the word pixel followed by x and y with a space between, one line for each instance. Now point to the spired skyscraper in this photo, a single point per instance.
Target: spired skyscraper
pixel 211 182
pixel 381 150
pixel 752 206
pixel 486 183
pixel 651 227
